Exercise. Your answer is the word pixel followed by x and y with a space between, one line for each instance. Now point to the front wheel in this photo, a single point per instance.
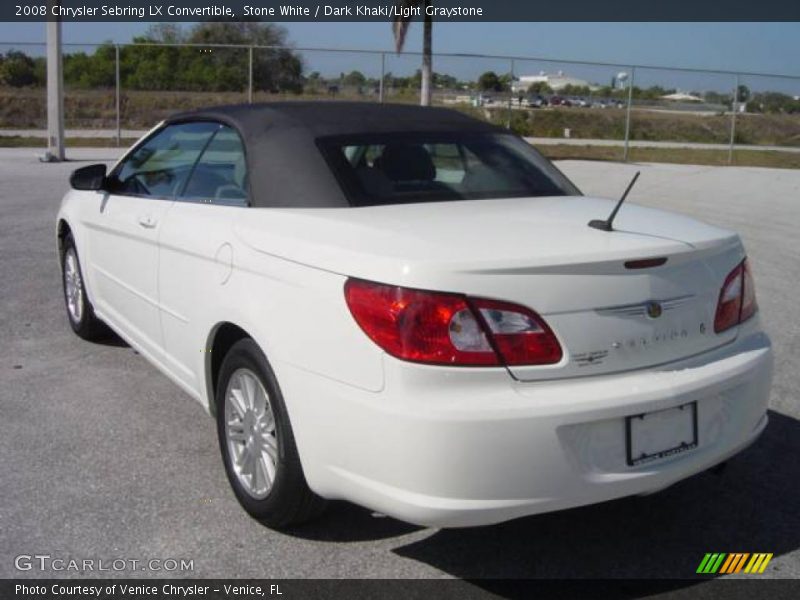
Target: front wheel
pixel 257 443
pixel 79 310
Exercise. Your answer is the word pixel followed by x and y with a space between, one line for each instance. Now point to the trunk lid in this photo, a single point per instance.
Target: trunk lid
pixel 539 253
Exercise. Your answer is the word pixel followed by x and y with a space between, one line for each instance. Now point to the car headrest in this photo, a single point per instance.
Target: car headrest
pixel 407 162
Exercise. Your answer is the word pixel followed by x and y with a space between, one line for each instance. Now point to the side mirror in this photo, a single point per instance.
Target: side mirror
pixel 90 178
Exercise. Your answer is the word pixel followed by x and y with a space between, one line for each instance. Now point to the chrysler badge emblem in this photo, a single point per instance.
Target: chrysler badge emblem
pixel 654 310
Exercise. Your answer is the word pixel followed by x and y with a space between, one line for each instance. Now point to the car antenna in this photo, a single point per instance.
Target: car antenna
pixel 605 225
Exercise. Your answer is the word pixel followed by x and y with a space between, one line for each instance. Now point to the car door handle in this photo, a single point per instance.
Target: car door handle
pixel 147 221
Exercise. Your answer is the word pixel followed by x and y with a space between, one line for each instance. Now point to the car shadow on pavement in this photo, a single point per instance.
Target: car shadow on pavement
pixel 345 522
pixel 750 506
pixel 109 338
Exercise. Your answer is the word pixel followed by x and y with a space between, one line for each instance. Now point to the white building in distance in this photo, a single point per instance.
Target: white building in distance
pixel 556 81
pixel 681 97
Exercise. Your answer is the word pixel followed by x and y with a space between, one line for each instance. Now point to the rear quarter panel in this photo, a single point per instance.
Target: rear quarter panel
pixel 296 313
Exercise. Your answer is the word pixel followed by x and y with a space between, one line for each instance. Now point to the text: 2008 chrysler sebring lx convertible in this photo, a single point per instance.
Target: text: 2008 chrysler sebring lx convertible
pixel 405 308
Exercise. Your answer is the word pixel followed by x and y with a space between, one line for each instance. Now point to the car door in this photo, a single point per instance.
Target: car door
pixel 123 242
pixel 197 252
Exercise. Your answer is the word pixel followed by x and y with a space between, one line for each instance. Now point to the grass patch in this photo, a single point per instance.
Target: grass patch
pixel 15 141
pixel 684 156
pixel 651 125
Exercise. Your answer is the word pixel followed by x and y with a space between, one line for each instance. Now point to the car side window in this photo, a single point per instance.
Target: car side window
pixel 220 175
pixel 159 167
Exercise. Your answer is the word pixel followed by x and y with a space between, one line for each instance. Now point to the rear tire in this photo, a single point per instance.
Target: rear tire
pixel 257 442
pixel 80 311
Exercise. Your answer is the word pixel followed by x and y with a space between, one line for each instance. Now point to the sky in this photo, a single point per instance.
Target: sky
pixel 752 47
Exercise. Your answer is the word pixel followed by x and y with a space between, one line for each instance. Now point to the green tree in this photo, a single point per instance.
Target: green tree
pixel 274 69
pixel 144 67
pixel 91 70
pixel 773 102
pixel 165 33
pixel 539 88
pixel 576 90
pixel 742 93
pixel 17 69
pixel 506 80
pixel 445 81
pixel 489 82
pixel 207 66
pixel 354 78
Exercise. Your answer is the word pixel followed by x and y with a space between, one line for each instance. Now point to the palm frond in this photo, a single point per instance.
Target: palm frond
pixel 400 24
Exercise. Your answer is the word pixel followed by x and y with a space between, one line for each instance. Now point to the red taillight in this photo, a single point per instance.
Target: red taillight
pixel 450 329
pixel 737 299
pixel 749 304
pixel 730 301
pixel 520 335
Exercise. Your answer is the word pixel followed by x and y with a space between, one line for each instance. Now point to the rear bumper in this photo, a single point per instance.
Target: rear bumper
pixel 464 447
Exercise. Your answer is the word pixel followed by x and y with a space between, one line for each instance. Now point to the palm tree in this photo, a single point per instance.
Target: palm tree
pixel 400 28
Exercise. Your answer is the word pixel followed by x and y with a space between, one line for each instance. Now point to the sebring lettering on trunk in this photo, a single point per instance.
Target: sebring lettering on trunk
pixel 658 337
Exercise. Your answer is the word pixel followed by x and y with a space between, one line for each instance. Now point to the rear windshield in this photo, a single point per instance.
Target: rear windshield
pixel 401 168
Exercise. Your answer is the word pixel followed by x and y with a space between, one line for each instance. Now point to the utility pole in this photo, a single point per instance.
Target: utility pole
pixel 118 94
pixel 628 115
pixel 381 91
pixel 426 87
pixel 734 110
pixel 250 75
pixel 55 91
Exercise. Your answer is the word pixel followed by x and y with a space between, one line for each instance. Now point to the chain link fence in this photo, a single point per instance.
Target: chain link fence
pixel 115 91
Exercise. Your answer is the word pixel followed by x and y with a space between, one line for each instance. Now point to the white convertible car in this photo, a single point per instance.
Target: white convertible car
pixel 408 309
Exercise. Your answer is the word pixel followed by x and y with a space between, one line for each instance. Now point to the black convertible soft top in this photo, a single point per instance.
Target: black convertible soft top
pixel 285 165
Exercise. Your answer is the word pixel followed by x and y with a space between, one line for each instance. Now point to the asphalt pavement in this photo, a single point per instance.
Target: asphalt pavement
pixel 104 458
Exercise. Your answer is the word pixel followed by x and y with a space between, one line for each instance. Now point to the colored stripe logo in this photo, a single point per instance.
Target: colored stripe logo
pixel 727 563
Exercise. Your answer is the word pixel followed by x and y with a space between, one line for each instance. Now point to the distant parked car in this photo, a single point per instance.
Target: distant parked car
pixel 607 103
pixel 412 310
pixel 535 102
pixel 559 101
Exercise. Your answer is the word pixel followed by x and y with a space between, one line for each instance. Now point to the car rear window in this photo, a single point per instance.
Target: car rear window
pixel 400 168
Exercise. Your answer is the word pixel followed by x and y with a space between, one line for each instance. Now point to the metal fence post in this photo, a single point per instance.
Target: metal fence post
pixel 383 75
pixel 734 109
pixel 628 114
pixel 510 95
pixel 118 86
pixel 250 75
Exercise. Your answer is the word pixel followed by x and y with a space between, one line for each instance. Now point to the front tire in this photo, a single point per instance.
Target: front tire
pixel 80 311
pixel 257 442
